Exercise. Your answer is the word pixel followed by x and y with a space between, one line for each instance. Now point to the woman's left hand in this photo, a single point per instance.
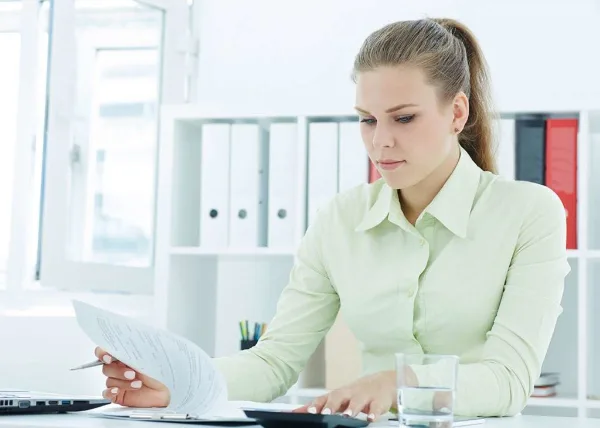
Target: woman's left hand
pixel 373 395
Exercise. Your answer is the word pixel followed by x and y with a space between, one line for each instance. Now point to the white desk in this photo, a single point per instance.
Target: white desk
pixel 77 421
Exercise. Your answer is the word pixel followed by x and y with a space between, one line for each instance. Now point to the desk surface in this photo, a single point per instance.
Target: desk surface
pixel 74 420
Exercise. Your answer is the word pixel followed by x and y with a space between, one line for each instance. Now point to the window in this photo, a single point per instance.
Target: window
pixel 108 61
pixel 23 43
pixel 10 46
pixel 81 84
pixel 119 66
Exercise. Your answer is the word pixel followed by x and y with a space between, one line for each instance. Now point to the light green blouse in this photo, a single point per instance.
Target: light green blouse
pixel 480 275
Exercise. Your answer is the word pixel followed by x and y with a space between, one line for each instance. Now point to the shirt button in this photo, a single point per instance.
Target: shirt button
pixel 422 242
pixel 412 291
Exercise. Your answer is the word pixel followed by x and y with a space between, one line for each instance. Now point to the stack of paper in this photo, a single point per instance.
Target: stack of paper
pixel 198 390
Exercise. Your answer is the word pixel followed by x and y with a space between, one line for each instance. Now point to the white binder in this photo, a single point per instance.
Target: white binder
pixel 248 192
pixel 505 152
pixel 214 196
pixel 322 165
pixel 283 170
pixel 353 158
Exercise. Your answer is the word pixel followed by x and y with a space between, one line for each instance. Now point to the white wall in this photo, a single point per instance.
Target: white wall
pixel 269 55
pixel 37 351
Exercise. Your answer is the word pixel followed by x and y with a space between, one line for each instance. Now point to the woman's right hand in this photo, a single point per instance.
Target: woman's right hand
pixel 127 387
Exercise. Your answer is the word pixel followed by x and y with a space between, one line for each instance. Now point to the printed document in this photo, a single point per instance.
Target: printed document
pixel 196 387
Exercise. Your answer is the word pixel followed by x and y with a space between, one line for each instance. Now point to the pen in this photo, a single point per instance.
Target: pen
pixel 242 330
pixel 88 365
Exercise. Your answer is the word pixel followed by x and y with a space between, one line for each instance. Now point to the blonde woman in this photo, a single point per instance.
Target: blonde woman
pixel 439 256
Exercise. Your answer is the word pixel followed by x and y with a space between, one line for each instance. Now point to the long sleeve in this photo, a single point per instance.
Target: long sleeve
pixel 305 312
pixel 501 383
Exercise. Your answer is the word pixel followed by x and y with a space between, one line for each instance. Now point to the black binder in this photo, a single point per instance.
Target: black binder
pixel 530 159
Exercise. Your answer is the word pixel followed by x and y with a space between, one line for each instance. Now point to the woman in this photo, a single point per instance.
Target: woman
pixel 440 256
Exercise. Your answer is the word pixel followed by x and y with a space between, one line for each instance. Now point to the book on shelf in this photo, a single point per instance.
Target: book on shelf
pixel 546 384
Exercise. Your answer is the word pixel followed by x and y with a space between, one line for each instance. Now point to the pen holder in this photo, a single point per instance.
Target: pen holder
pixel 247 344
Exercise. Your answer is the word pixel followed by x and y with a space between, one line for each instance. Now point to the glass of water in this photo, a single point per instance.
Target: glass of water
pixel 431 402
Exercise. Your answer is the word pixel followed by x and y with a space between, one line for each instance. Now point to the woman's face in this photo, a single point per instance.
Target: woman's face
pixel 405 129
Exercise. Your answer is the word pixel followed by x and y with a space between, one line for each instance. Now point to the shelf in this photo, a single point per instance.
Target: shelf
pixel 592 404
pixel 578 254
pixel 594 254
pixel 558 401
pixel 232 252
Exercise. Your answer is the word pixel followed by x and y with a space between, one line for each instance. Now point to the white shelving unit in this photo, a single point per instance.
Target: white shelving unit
pixel 195 283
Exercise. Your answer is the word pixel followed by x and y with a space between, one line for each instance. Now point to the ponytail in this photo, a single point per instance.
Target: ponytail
pixel 477 137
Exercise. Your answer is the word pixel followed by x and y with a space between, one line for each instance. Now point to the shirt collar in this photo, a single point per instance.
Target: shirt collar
pixel 386 205
pixel 451 206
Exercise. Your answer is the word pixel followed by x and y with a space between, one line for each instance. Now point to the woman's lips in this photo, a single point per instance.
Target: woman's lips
pixel 389 165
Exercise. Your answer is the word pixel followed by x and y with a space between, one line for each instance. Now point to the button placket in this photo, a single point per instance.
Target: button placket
pixel 412 292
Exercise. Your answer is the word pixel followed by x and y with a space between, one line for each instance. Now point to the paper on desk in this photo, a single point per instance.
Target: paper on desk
pixel 230 411
pixel 196 387
pixel 222 414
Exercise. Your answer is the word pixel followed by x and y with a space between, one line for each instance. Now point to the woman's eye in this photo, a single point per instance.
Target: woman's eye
pixel 368 121
pixel 405 119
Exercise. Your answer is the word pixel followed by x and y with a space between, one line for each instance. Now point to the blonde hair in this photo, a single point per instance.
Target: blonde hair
pixel 450 56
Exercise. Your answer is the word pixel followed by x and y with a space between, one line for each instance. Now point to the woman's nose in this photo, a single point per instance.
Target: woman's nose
pixel 383 137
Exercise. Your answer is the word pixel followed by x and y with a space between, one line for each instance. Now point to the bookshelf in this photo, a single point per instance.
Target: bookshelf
pixel 203 291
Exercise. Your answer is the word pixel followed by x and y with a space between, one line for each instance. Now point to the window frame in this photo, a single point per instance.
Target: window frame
pixel 57 271
pixel 29 21
pixel 23 286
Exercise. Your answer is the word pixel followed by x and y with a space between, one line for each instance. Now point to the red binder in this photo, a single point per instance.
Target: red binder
pixel 373 173
pixel 561 169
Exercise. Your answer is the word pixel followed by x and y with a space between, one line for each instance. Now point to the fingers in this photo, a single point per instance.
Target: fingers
pixel 118 371
pixel 356 405
pixel 143 397
pixel 314 407
pixel 123 384
pixel 443 400
pixel 102 355
pixel 375 409
pixel 336 402
pixel 342 401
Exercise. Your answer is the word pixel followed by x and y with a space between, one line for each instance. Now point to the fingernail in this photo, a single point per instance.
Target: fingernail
pixel 136 384
pixel 326 411
pixel 129 374
pixel 107 359
pixel 445 410
pixel 371 417
pixel 114 390
pixel 312 410
pixel 348 412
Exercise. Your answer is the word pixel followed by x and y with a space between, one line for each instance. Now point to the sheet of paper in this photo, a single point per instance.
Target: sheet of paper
pixel 233 411
pixel 196 387
pixel 223 414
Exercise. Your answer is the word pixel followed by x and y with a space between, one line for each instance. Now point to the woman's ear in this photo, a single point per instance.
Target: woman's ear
pixel 460 109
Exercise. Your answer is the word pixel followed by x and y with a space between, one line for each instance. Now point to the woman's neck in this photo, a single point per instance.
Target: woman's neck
pixel 415 199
